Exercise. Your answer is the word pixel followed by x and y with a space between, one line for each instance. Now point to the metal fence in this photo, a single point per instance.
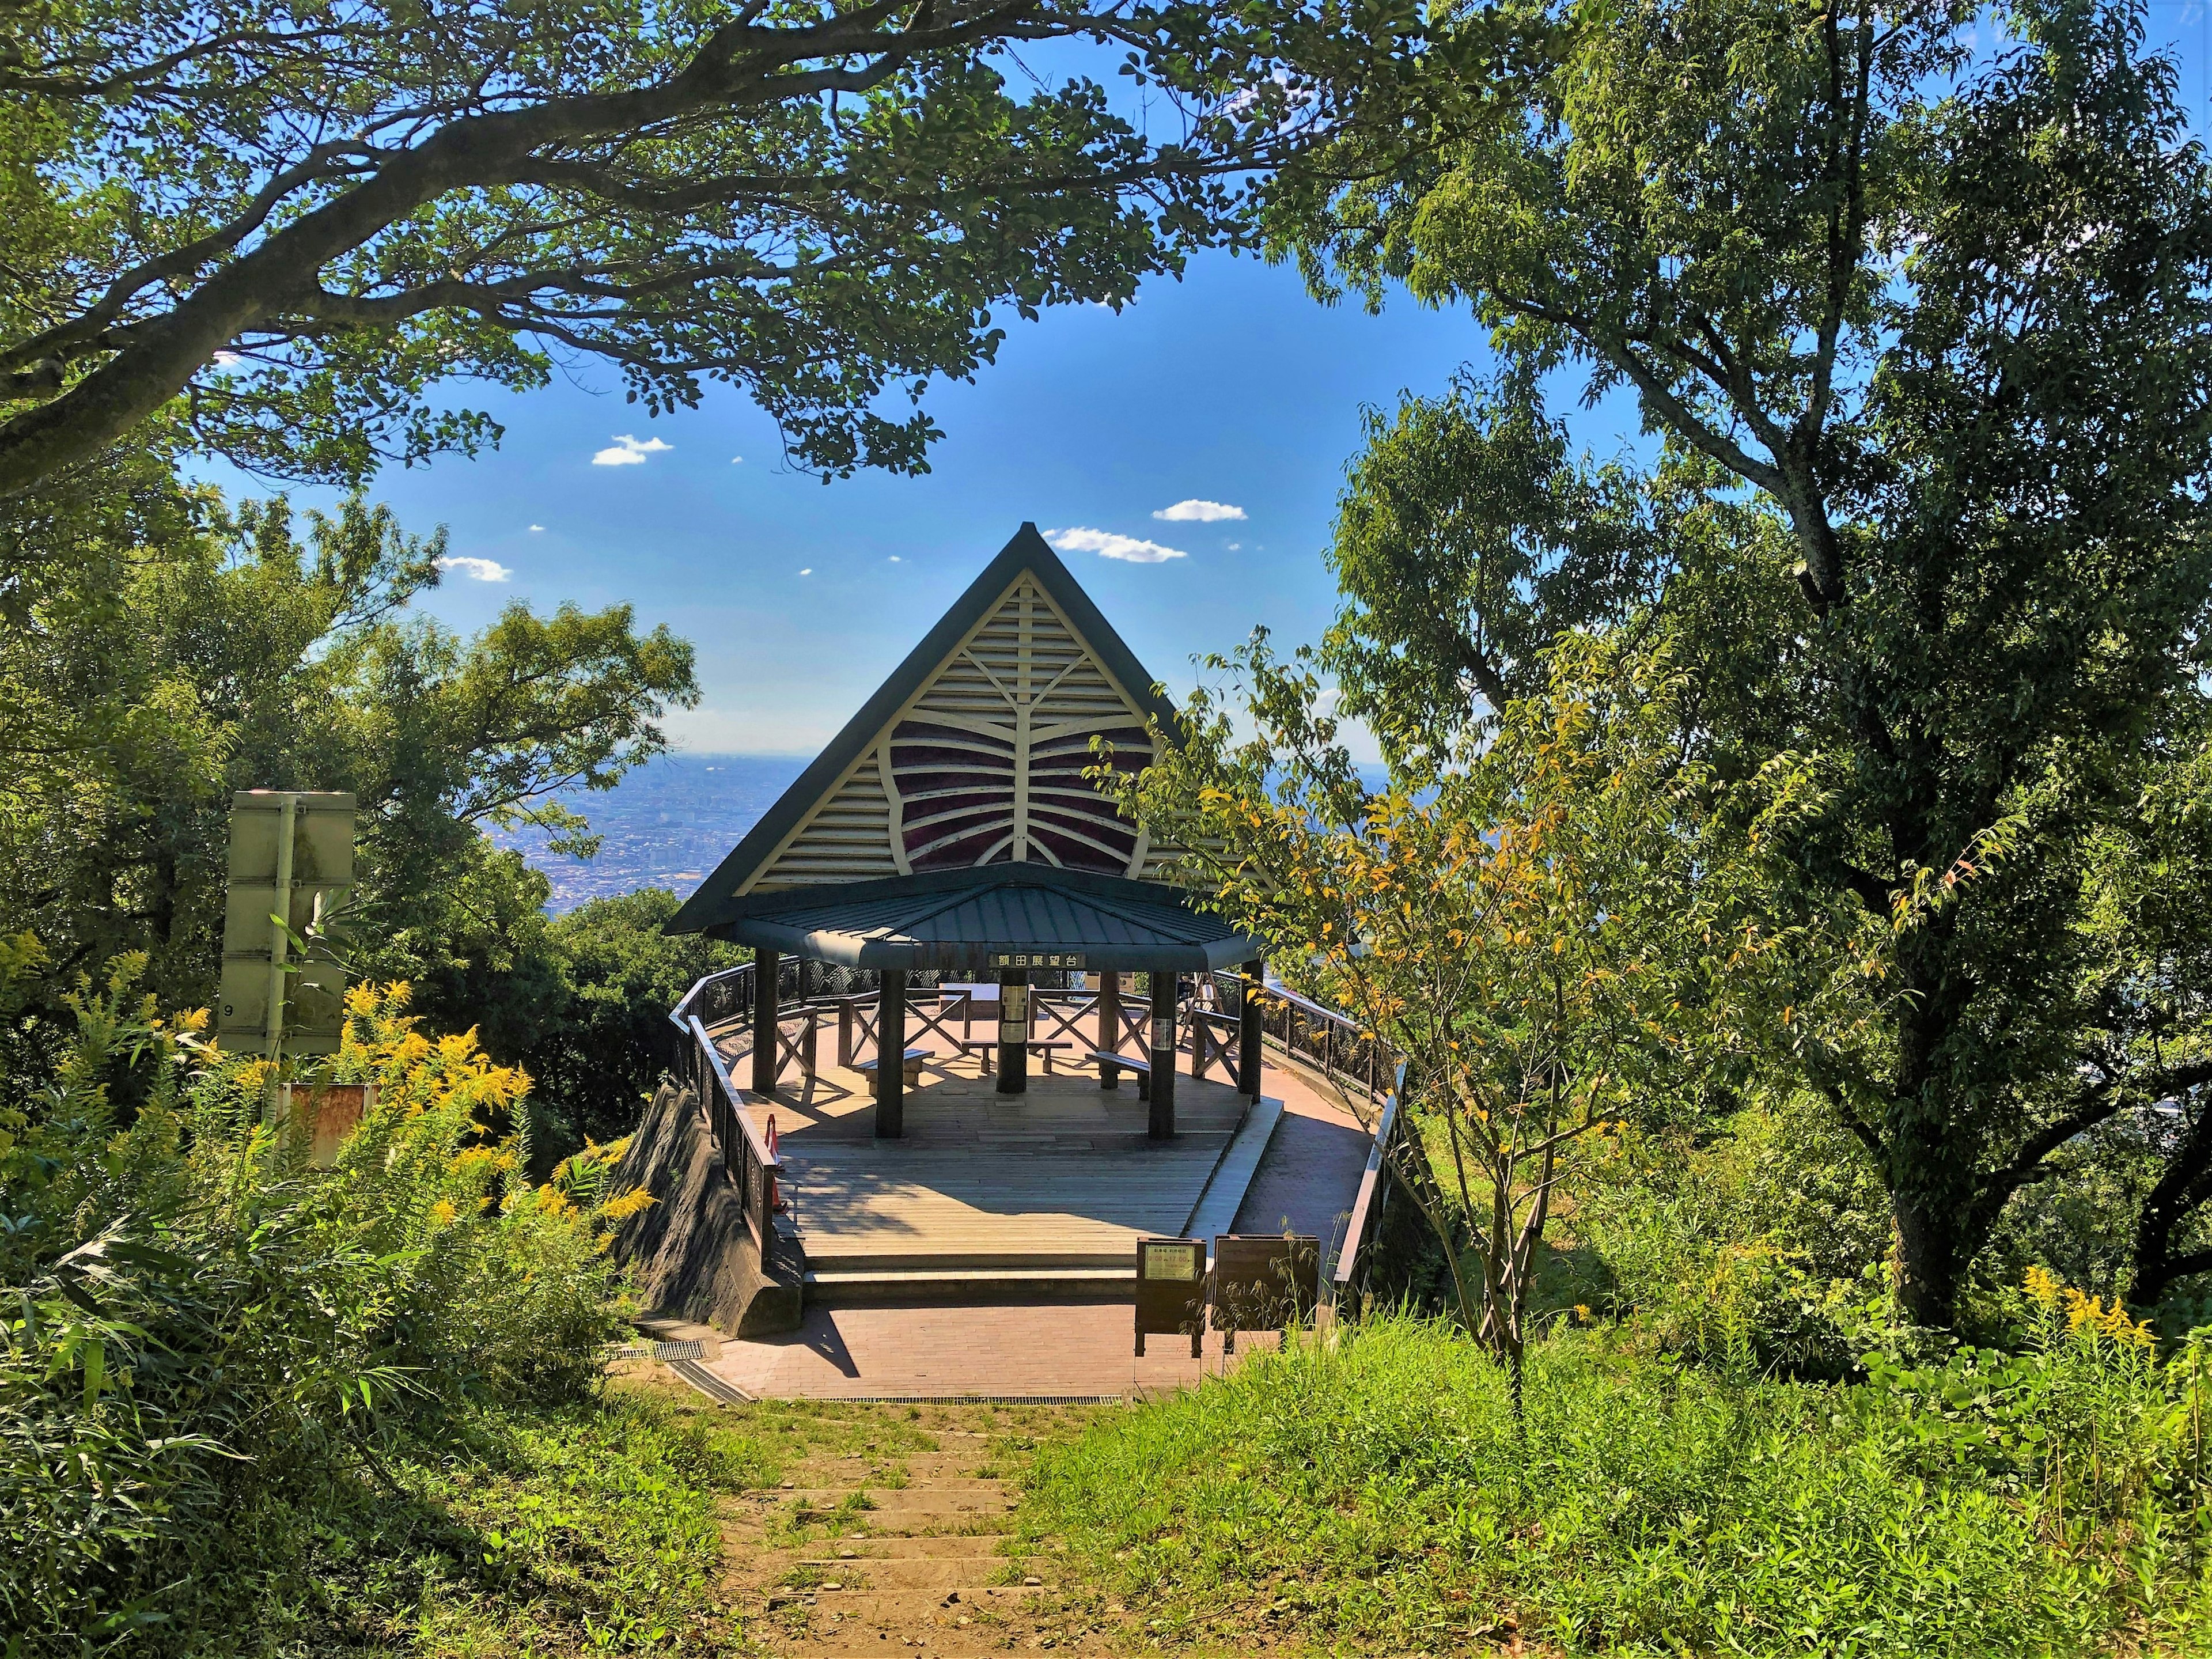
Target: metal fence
pixel 1364 1066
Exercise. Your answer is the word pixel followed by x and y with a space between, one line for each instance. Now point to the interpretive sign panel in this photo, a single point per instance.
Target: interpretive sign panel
pixel 1170 1290
pixel 291 851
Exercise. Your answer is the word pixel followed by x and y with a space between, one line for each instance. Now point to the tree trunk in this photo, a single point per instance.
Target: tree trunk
pixel 1930 1258
pixel 2181 1189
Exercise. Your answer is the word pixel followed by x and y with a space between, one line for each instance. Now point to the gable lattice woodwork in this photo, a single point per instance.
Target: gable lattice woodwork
pixel 985 763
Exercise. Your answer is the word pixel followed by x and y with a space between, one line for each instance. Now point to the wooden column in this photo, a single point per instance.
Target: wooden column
pixel 768 967
pixel 890 1056
pixel 1161 1125
pixel 1251 1057
pixel 1013 1030
pixel 1109 1022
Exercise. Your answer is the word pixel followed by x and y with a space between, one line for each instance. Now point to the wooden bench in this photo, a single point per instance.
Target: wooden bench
pixel 1111 1065
pixel 913 1058
pixel 988 1048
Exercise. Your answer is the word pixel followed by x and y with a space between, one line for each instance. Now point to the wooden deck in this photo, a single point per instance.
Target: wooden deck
pixel 1046 1190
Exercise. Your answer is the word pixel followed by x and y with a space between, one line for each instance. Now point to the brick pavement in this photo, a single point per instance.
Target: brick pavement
pixel 1056 1349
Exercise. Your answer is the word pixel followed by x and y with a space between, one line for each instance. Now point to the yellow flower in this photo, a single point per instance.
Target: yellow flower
pixel 1582 1313
pixel 620 1209
pixel 442 1212
pixel 2043 1286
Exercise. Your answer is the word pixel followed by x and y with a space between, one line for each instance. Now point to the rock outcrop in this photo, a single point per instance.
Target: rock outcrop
pixel 691 1250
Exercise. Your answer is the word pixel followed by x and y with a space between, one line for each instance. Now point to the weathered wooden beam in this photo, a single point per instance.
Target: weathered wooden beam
pixel 890 1056
pixel 1109 1021
pixel 1013 1030
pixel 1161 1124
pixel 767 968
pixel 1251 1054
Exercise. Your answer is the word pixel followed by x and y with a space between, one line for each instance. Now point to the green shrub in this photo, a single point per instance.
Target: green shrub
pixel 210 1346
pixel 1380 1492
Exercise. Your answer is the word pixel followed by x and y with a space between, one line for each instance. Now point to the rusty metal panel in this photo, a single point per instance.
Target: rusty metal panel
pixel 1264 1282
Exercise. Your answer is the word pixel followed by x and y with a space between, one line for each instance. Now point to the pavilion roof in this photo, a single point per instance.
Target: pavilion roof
pixel 975 753
pixel 997 915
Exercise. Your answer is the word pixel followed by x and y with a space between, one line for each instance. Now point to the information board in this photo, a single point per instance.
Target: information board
pixel 1171 1290
pixel 291 851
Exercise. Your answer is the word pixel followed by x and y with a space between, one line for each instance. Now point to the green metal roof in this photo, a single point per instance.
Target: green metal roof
pixel 1020 915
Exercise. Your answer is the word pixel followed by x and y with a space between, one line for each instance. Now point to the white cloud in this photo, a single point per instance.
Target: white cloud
pixel 535 528
pixel 1198 512
pixel 735 460
pixel 808 571
pixel 226 359
pixel 894 558
pixel 1107 545
pixel 627 451
pixel 477 570
pixel 1235 547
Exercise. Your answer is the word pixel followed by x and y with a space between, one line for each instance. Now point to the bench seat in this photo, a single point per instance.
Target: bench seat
pixel 1111 1065
pixel 988 1048
pixel 913 1058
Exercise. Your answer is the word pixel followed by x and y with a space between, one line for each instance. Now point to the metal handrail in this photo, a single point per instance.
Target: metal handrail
pixel 1373 1196
pixel 1336 1045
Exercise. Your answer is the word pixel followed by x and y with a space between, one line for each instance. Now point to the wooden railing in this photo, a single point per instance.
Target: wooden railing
pixel 752 1168
pixel 1300 1028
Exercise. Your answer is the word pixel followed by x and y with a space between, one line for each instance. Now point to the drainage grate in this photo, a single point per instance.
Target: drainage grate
pixel 971 1398
pixel 707 1383
pixel 673 1352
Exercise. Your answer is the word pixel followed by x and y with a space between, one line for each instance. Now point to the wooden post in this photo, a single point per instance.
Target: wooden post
pixel 890 1056
pixel 1013 1030
pixel 1160 1123
pixel 1251 1057
pixel 767 968
pixel 1110 1023
pixel 844 1056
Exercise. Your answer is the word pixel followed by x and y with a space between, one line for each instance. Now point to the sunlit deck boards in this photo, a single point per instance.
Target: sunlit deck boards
pixel 1062 1178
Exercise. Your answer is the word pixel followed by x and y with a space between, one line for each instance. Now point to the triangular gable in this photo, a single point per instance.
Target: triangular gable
pixel 972 753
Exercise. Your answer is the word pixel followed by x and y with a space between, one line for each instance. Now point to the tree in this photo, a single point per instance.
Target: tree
pixel 268 229
pixel 196 649
pixel 2150 882
pixel 1530 925
pixel 1940 318
pixel 598 1064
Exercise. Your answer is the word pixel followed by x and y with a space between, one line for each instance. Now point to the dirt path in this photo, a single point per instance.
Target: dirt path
pixel 891 1534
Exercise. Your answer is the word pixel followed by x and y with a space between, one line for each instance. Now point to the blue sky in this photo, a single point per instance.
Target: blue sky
pixel 1231 387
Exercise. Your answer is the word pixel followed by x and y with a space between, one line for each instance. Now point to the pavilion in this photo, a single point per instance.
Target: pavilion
pixel 949 826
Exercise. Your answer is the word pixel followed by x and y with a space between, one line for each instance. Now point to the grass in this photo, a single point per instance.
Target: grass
pixel 588 1528
pixel 1378 1497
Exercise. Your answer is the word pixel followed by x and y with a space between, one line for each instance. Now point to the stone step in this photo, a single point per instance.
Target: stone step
pixel 889 1511
pixel 938 1574
pixel 965 1544
pixel 899 1610
pixel 884 1495
pixel 861 1287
